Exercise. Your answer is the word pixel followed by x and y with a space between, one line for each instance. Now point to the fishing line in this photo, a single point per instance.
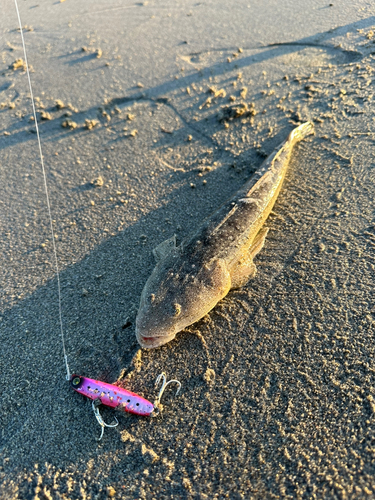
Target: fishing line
pixel 99 392
pixel 47 196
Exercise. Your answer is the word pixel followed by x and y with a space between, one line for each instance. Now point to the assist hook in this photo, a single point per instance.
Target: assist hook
pixel 95 406
pixel 162 377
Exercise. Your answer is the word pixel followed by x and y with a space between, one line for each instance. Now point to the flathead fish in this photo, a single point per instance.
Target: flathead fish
pixel 191 278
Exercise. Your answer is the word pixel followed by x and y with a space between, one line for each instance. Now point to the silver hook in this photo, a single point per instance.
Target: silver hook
pixel 164 385
pixel 95 406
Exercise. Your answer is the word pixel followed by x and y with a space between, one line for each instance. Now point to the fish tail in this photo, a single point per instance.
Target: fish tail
pixel 300 132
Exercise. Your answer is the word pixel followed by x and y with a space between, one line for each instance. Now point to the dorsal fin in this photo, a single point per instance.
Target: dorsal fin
pixel 164 248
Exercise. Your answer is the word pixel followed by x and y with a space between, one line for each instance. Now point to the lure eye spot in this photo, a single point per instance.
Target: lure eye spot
pixel 76 381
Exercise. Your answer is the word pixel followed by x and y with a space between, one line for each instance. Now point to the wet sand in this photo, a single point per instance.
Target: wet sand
pixel 278 397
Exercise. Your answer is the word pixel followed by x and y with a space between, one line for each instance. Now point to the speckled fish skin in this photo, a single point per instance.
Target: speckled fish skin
pixel 189 280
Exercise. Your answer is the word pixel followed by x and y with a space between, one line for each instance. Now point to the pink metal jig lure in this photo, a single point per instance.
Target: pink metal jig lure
pixel 111 395
pixel 118 398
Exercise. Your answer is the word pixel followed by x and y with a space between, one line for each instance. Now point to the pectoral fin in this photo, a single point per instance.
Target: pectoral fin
pixel 243 272
pixel 245 268
pixel 259 241
pixel 164 248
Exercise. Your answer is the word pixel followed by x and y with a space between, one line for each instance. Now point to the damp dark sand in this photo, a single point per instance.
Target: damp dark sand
pixel 155 113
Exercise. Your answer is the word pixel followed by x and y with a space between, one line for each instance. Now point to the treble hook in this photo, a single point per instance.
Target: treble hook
pixel 95 406
pixel 164 385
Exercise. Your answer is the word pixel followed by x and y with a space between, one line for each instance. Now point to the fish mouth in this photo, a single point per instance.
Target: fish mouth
pixel 152 342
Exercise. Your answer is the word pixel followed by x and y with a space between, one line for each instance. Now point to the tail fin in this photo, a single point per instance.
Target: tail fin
pixel 300 132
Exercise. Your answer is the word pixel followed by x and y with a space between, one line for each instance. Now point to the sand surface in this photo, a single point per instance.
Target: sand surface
pixel 278 399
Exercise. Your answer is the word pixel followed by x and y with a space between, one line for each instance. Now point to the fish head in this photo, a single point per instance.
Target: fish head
pixel 175 297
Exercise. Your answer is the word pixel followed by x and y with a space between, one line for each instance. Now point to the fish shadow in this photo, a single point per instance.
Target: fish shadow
pixel 100 296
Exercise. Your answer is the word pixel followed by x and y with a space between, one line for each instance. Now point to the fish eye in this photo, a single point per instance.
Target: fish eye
pixel 176 310
pixel 76 381
pixel 136 404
